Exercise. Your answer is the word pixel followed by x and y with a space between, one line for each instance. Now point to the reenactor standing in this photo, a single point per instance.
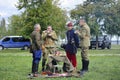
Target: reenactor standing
pixel 36 42
pixel 49 37
pixel 84 34
pixel 72 45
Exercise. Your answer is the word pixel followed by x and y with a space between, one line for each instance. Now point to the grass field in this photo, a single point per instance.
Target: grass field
pixel 104 65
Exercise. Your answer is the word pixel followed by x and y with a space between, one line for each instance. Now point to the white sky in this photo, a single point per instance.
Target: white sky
pixel 7 7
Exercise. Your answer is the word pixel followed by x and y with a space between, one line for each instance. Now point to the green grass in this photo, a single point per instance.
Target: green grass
pixel 15 66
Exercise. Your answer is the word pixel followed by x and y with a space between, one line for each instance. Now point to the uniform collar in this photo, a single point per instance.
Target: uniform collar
pixel 71 29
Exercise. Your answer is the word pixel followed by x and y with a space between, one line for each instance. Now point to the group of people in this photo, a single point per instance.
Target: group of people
pixel 43 45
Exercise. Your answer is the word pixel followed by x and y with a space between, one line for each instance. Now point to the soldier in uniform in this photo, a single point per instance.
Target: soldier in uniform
pixel 49 37
pixel 84 34
pixel 36 49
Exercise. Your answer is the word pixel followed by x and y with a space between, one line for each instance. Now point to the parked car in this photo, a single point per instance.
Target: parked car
pixel 14 42
pixel 103 42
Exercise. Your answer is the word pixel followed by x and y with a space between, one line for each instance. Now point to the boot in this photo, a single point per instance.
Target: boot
pixel 43 64
pixel 84 67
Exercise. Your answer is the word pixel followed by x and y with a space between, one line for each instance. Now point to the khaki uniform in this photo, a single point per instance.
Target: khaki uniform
pixel 49 41
pixel 84 34
pixel 49 44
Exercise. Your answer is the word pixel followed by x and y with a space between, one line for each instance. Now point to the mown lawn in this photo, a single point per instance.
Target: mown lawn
pixel 16 64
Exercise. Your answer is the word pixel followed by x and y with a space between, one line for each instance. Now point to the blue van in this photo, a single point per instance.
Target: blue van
pixel 14 42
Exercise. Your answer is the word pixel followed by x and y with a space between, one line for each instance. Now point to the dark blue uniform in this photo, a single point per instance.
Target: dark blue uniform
pixel 73 42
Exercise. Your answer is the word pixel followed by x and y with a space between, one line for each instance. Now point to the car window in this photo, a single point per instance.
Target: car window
pixel 23 39
pixel 26 40
pixel 99 39
pixel 15 39
pixel 6 39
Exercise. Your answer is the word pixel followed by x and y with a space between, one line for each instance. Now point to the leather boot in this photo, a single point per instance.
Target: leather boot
pixel 86 64
pixel 84 67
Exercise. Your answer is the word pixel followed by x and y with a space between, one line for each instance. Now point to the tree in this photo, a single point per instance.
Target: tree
pixel 2 28
pixel 111 23
pixel 15 24
pixel 44 12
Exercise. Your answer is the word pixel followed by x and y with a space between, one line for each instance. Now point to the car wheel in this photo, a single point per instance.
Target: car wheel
pixel 94 47
pixel 1 48
pixel 109 46
pixel 25 47
pixel 90 47
pixel 103 47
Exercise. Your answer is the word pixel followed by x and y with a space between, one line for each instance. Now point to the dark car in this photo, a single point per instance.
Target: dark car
pixel 103 42
pixel 14 42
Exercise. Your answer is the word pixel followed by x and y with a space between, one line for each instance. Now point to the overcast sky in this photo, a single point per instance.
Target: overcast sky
pixel 7 7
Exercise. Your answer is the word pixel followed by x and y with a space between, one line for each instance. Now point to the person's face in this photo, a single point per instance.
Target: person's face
pixel 49 28
pixel 38 28
pixel 81 22
pixel 70 27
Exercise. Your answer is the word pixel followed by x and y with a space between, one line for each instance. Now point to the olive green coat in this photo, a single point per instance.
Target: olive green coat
pixel 49 41
pixel 84 34
pixel 36 40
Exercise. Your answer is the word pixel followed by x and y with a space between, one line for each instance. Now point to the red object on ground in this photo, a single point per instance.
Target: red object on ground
pixel 72 58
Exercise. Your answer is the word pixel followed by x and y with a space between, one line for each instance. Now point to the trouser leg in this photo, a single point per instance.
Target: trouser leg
pixel 73 60
pixel 43 64
pixel 33 67
pixel 67 65
pixel 68 56
pixel 36 59
pixel 85 59
pixel 44 59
